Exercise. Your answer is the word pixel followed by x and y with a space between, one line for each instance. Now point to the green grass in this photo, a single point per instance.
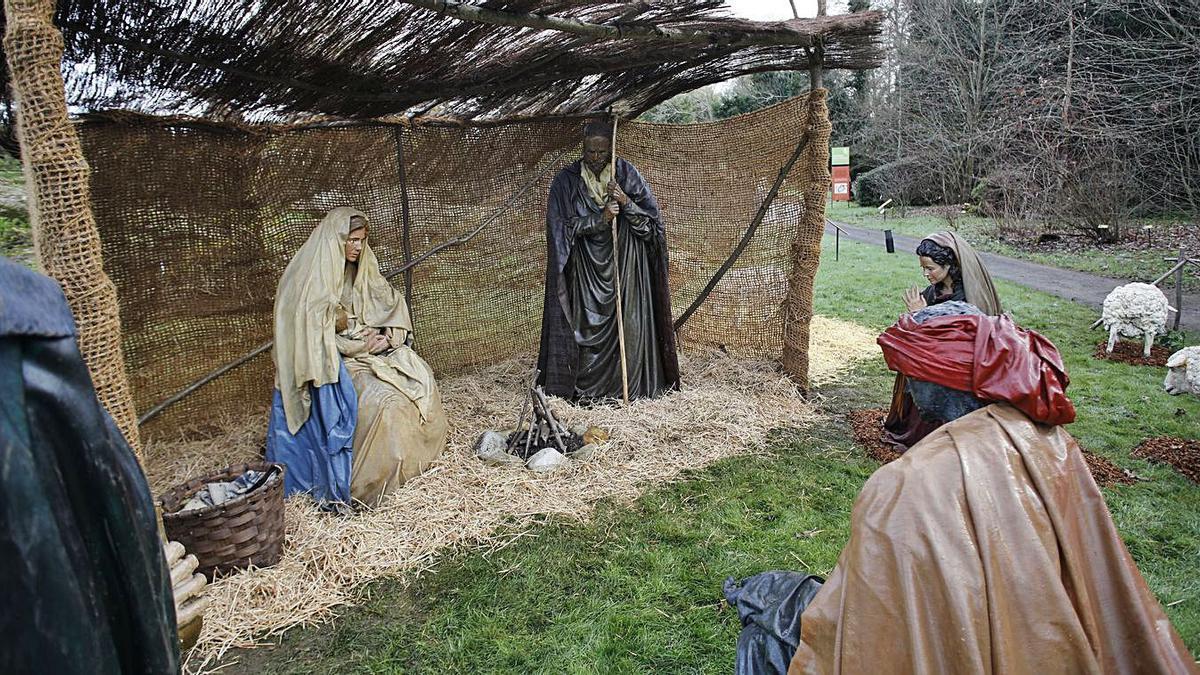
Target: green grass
pixel 16 238
pixel 10 169
pixel 637 588
pixel 983 233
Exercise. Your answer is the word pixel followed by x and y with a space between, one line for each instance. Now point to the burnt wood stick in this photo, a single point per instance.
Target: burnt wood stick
pixel 541 414
pixel 512 442
pixel 559 426
pixel 554 425
pixel 516 434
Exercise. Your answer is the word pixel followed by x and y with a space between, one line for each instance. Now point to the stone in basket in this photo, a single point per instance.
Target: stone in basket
pixel 246 530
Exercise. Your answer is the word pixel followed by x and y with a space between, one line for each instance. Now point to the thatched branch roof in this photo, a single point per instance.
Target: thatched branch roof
pixel 303 59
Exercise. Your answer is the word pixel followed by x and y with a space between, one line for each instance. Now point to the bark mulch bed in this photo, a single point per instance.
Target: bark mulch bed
pixel 1182 454
pixel 1104 472
pixel 1133 238
pixel 867 425
pixel 1130 352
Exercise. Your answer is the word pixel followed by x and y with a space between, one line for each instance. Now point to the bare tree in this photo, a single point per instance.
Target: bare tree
pixel 1080 112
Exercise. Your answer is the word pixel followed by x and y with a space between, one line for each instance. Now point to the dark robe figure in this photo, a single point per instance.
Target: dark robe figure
pixel 86 587
pixel 580 356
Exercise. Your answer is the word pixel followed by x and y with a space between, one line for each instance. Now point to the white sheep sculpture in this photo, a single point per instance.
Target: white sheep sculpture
pixel 1135 310
pixel 1183 374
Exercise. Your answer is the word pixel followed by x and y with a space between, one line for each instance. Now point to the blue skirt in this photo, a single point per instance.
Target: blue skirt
pixel 318 455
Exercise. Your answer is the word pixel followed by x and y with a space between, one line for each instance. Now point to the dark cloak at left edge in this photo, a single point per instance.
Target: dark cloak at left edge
pixel 574 227
pixel 86 587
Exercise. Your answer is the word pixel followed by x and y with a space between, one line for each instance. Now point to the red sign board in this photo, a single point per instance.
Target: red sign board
pixel 841 183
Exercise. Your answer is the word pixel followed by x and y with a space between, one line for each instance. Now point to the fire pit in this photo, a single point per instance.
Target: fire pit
pixel 540 441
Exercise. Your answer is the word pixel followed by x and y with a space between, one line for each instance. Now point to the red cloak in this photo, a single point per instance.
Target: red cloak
pixel 988 356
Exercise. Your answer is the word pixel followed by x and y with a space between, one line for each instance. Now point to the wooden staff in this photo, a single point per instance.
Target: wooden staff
pixel 612 159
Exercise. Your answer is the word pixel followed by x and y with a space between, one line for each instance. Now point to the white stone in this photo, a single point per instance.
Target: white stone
pixel 546 459
pixel 492 448
pixel 490 442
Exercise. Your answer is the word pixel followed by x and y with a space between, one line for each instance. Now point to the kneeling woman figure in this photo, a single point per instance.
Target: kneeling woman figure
pixel 356 411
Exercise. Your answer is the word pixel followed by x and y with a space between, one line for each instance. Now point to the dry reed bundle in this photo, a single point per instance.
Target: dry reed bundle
pixel 727 408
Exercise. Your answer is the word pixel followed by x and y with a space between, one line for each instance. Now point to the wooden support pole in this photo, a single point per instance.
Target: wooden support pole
pixel 1179 288
pixel 805 251
pixel 57 180
pixel 817 55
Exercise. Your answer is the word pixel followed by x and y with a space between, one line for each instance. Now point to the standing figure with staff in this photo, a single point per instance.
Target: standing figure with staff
pixel 606 248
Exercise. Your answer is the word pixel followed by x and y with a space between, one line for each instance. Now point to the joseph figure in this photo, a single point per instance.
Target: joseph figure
pixel 580 354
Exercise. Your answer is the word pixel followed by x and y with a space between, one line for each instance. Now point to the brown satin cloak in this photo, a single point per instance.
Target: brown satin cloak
pixel 986 548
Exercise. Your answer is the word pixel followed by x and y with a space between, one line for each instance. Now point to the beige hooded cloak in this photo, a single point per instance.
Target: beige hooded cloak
pixel 401 427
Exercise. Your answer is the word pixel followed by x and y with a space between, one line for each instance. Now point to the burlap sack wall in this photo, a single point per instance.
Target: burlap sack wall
pixel 198 221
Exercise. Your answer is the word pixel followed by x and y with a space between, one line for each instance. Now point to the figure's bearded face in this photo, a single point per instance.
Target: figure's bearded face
pixel 597 151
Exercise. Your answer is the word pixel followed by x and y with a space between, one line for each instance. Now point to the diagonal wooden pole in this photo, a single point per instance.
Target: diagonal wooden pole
pixel 612 164
pixel 749 234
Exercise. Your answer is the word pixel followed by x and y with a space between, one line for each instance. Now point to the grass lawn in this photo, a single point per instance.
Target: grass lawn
pixel 637 589
pixel 1136 265
pixel 16 239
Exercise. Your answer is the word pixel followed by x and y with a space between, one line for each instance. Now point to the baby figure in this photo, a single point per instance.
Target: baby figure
pixel 352 329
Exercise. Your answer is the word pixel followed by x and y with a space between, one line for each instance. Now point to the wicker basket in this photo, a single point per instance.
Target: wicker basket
pixel 243 531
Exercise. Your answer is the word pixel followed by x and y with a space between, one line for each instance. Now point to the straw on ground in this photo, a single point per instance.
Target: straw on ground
pixel 727 407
